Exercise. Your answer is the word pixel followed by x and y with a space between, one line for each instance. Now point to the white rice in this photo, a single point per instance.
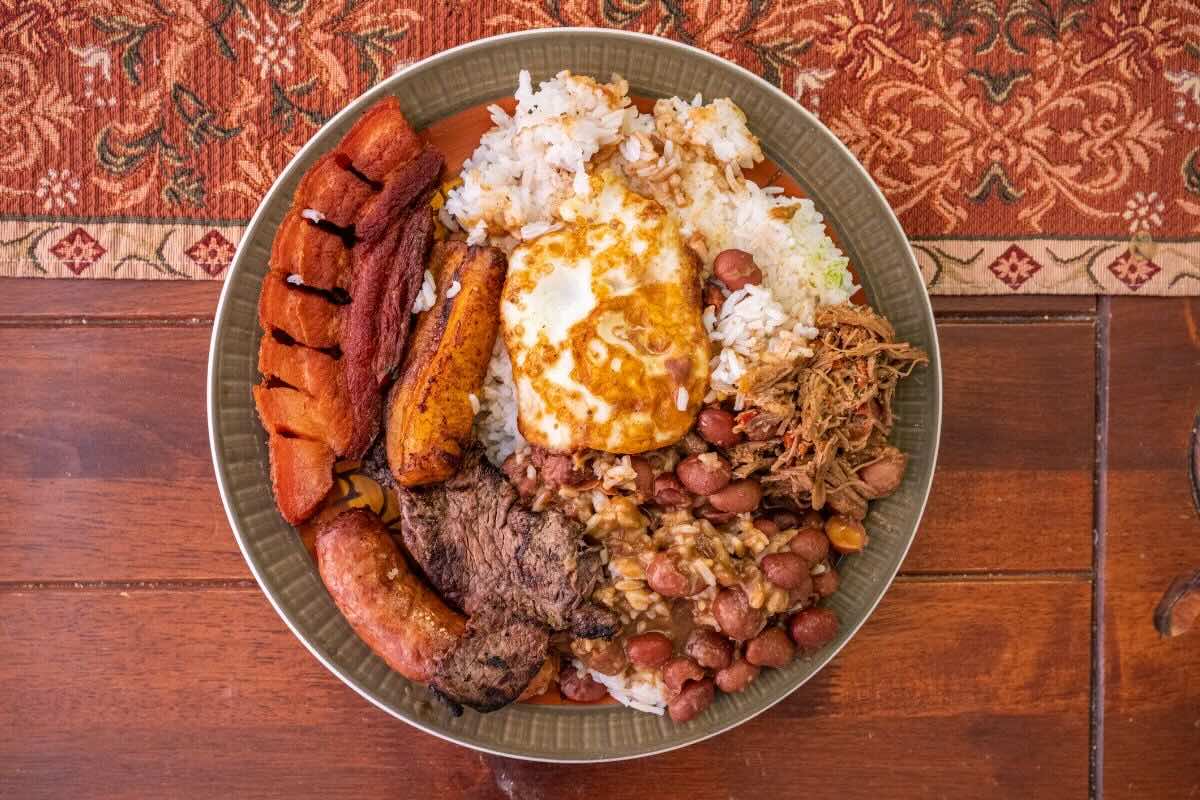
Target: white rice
pixel 636 690
pixel 496 422
pixel 719 126
pixel 427 296
pixel 752 328
pixel 531 163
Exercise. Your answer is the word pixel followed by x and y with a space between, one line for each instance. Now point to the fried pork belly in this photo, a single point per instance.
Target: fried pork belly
pixel 346 265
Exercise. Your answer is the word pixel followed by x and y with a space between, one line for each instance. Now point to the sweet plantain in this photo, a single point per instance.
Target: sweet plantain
pixel 430 410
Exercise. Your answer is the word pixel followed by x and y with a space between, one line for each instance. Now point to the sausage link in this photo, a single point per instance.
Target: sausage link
pixel 389 607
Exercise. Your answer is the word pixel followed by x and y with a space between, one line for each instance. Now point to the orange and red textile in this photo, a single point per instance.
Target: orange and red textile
pixel 1028 146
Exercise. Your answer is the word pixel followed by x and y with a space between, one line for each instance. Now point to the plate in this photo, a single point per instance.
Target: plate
pixel 464 77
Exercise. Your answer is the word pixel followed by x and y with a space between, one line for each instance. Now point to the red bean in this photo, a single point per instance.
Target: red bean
pixel 827 582
pixel 650 649
pixel 802 597
pixel 714 516
pixel 691 700
pixel 884 476
pixel 678 671
pixel 735 616
pixel 704 473
pixel 810 544
pixel 786 520
pixel 579 688
pixel 771 648
pixel 645 476
pixel 766 525
pixel 606 657
pixel 715 425
pixel 736 268
pixel 664 576
pixel 737 676
pixel 786 570
pixel 558 469
pixel 669 492
pixel 710 649
pixel 738 497
pixel 813 628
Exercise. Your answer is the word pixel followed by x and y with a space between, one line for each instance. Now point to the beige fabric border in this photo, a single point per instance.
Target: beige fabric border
pixel 124 249
pixel 1059 266
pixel 202 250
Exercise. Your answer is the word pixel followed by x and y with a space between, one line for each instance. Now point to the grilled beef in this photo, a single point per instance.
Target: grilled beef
pixel 480 547
pixel 493 662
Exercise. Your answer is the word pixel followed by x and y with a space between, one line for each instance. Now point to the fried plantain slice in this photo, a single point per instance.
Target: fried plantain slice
pixel 430 411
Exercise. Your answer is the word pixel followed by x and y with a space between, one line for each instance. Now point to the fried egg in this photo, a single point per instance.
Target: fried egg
pixel 602 323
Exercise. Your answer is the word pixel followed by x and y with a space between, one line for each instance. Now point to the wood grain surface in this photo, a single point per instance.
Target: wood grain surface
pixel 1152 534
pixel 119 453
pixel 1015 656
pixel 36 299
pixel 206 689
pixel 1017 441
pixel 105 471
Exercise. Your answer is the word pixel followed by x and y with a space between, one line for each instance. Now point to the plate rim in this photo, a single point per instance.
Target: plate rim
pixel 383 88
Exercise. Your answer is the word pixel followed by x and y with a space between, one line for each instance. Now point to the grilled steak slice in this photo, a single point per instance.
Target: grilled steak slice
pixel 492 664
pixel 480 548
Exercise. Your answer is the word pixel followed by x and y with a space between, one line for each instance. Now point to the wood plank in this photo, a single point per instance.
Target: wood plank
pixel 960 689
pixel 1019 306
pixel 105 471
pixel 1013 490
pixel 49 299
pixel 1152 698
pixel 107 447
pixel 96 529
pixel 104 403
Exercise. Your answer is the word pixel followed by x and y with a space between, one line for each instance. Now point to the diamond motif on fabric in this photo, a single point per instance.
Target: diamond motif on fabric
pixel 1133 271
pixel 213 253
pixel 1014 267
pixel 78 250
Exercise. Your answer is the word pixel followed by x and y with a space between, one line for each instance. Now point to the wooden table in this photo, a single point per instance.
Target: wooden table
pixel 1014 657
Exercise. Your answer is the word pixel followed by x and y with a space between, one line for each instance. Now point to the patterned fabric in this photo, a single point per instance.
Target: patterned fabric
pixel 1027 145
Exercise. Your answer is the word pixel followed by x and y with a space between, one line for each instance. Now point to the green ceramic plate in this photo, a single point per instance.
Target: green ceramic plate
pixel 464 77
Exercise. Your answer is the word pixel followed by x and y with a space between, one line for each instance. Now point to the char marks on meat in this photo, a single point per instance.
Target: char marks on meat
pixel 480 547
pixel 493 662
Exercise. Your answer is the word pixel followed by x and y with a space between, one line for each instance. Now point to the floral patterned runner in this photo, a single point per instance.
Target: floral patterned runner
pixel 1028 146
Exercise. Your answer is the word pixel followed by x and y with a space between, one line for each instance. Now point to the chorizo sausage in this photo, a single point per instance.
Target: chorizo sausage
pixel 388 605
